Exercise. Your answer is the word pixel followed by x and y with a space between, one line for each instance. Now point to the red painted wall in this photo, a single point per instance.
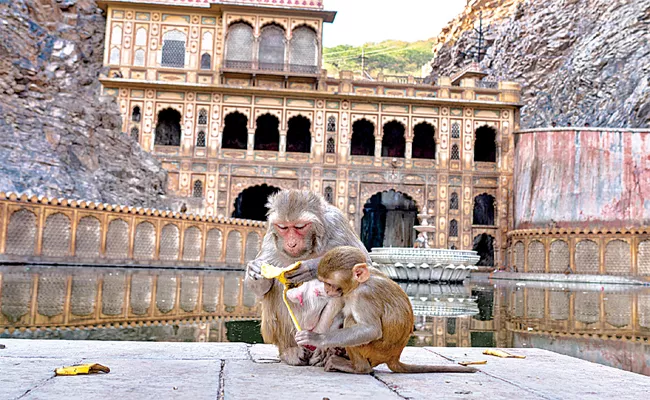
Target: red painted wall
pixel 575 177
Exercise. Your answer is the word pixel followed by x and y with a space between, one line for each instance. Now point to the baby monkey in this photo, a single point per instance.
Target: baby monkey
pixel 378 317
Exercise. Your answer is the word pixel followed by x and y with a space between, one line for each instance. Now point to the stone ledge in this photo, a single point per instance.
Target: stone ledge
pixel 239 371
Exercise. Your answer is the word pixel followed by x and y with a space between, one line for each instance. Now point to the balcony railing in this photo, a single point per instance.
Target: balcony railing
pixel 271 67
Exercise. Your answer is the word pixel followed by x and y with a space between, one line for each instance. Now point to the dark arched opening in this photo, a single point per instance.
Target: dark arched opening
pixel 298 135
pixel 267 134
pixel 485 144
pixel 251 203
pixel 483 210
pixel 136 115
pixel 388 220
pixel 424 143
pixel 168 128
pixel 484 246
pixel 393 144
pixel 453 201
pixel 363 138
pixel 235 132
pixel 206 61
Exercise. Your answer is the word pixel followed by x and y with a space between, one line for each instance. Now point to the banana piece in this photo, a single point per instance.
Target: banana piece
pixel 466 363
pixel 501 353
pixel 270 272
pixel 82 369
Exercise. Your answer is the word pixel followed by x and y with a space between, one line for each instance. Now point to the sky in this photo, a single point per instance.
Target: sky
pixel 362 21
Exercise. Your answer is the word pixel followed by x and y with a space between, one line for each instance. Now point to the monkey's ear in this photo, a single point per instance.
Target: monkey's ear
pixel 360 272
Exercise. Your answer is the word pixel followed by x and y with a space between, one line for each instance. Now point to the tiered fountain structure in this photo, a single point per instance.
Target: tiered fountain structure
pixel 423 263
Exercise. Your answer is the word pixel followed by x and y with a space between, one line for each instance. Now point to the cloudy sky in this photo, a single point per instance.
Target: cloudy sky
pixel 362 21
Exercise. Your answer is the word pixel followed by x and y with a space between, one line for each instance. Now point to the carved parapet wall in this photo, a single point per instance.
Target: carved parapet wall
pixel 582 177
pixel 584 252
pixel 97 297
pixel 38 229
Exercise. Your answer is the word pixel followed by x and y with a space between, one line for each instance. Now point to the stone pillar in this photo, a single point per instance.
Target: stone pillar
pixel 408 153
pixel 283 142
pixel 377 149
pixel 251 142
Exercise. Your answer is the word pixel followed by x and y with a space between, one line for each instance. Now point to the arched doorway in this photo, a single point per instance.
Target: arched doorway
pixel 251 203
pixel 485 144
pixel 298 135
pixel 388 220
pixel 483 210
pixel 235 132
pixel 484 246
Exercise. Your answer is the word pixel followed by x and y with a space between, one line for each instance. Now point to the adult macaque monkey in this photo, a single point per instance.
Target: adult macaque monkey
pixel 378 317
pixel 302 226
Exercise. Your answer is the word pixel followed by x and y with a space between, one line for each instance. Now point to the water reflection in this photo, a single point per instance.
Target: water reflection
pixel 604 324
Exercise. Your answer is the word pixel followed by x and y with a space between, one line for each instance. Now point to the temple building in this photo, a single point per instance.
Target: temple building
pixel 231 97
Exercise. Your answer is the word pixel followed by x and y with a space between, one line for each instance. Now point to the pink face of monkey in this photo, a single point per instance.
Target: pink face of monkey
pixel 309 300
pixel 296 237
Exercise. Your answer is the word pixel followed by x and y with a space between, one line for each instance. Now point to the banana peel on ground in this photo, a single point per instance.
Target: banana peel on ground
pixel 466 363
pixel 501 353
pixel 82 369
pixel 272 272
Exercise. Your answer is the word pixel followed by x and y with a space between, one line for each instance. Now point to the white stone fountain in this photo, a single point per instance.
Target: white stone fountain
pixel 423 263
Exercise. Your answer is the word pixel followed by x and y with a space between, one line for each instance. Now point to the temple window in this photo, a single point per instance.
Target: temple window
pixel 453 228
pixel 168 128
pixel 272 44
pixel 453 201
pixel 138 58
pixel 331 123
pixel 136 115
pixel 200 139
pixel 203 116
pixel 393 143
pixel 331 146
pixel 206 61
pixel 235 132
pixel 267 134
pixel 197 189
pixel 239 46
pixel 329 194
pixel 424 143
pixel 299 135
pixel 363 138
pixel 455 130
pixel 485 145
pixel 173 49
pixel 304 50
pixel 141 37
pixel 455 152
pixel 483 210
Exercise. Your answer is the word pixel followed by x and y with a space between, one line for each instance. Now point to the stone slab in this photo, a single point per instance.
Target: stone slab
pixel 195 370
pixel 140 379
pixel 141 350
pixel 247 380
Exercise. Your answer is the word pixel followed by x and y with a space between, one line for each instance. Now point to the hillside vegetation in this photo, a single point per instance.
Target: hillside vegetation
pixel 391 57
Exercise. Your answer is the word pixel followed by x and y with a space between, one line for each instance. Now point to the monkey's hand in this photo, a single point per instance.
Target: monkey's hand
pixel 308 338
pixel 307 271
pixel 255 280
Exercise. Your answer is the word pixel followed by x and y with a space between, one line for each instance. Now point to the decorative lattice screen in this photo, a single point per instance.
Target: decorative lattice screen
pixel 304 50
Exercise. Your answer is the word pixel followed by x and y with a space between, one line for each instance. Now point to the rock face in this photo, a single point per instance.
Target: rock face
pixel 59 136
pixel 579 61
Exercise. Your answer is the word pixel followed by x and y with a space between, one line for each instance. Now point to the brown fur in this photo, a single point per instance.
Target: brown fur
pixel 378 317
pixel 329 229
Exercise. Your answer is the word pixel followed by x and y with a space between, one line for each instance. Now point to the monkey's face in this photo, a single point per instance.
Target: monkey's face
pixel 294 238
pixel 334 286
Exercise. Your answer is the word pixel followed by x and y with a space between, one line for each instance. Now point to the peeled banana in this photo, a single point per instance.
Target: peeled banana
pixel 82 369
pixel 270 272
pixel 501 353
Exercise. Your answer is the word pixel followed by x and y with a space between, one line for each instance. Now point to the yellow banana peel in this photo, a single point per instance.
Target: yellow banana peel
pixel 272 272
pixel 466 363
pixel 82 369
pixel 501 353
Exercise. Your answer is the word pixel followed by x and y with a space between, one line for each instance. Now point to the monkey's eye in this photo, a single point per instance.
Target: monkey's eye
pixel 300 226
pixel 281 227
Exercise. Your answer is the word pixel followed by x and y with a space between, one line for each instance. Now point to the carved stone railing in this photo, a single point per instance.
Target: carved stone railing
pixel 43 230
pixel 95 297
pixel 581 251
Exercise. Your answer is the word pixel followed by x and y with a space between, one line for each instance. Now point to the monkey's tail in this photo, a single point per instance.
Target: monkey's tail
pixel 397 366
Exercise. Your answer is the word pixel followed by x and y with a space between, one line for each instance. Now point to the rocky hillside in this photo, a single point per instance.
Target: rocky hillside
pixel 59 136
pixel 579 61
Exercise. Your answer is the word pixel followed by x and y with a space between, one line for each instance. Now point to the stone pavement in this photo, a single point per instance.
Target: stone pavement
pixel 147 370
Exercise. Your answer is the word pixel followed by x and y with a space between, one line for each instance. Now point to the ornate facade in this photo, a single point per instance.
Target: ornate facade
pixel 230 95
